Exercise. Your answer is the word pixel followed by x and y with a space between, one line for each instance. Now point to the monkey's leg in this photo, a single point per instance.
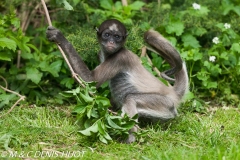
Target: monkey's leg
pixel 156 106
pixel 151 105
pixel 130 109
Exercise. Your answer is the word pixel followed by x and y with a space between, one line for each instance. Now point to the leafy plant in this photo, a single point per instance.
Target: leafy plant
pixel 116 10
pixel 93 115
pixel 209 46
pixel 24 66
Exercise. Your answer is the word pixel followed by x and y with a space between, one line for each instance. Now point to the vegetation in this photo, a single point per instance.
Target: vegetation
pixel 33 69
pixel 50 132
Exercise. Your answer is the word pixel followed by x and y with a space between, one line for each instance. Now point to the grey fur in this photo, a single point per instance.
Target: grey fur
pixel 133 88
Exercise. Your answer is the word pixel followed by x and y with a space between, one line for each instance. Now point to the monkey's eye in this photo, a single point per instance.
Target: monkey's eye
pixel 117 37
pixel 106 35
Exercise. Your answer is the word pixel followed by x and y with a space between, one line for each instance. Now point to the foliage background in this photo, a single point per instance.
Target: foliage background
pixel 34 67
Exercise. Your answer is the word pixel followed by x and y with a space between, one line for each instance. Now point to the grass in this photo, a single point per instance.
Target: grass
pixel 48 132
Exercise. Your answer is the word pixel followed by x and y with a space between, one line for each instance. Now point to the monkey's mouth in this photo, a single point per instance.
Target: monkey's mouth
pixel 110 48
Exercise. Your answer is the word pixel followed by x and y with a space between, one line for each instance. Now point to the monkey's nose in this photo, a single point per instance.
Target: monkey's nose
pixel 112 42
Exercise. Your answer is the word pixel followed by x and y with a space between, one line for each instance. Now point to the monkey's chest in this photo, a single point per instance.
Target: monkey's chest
pixel 120 87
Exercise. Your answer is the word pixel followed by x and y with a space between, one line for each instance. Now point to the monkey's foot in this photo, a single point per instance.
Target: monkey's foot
pixel 131 138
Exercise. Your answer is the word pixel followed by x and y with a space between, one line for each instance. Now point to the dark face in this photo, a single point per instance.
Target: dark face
pixel 111 36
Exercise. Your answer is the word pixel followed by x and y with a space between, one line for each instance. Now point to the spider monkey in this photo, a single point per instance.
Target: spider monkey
pixel 134 90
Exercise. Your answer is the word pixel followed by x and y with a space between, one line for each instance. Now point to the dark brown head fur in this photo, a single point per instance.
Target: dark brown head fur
pixel 110 22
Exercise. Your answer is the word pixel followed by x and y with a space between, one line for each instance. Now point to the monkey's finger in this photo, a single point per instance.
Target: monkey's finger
pixel 50 28
pixel 52 38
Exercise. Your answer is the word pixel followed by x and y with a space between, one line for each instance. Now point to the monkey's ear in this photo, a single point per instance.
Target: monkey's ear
pixel 126 35
pixel 97 29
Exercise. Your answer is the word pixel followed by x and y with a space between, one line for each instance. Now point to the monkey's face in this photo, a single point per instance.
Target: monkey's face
pixel 111 36
pixel 111 41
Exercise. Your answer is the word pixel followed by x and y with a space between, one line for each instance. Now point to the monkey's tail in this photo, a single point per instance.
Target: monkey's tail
pixel 181 81
pixel 171 55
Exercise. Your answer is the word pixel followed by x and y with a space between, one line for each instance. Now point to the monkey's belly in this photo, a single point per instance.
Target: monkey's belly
pixel 120 87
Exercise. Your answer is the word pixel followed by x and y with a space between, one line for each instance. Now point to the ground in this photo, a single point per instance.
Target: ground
pixel 51 132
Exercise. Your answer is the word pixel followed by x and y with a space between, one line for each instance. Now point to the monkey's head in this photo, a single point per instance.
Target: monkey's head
pixel 111 35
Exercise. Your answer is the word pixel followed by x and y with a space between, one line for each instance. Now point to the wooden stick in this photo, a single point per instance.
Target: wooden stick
pixel 46 12
pixel 75 75
pixel 20 99
pixel 144 54
pixel 10 110
pixel 124 2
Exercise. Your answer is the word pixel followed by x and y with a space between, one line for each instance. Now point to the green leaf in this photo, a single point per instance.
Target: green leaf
pixel 220 26
pixel 175 27
pixel 134 118
pixel 136 5
pixel 224 55
pixel 164 81
pixel 8 43
pixel 203 75
pixel 189 96
pixel 198 31
pixel 106 4
pixel 102 139
pixel 235 47
pixel 105 101
pixel 118 6
pixel 33 47
pixel 156 60
pixel 89 111
pixel 79 109
pixel 226 40
pixel 16 22
pixel 214 69
pixel 203 10
pixel 34 75
pixel 67 6
pixel 55 68
pixel 197 56
pixel 102 130
pixel 129 125
pixel 26 55
pixel 5 98
pixel 86 98
pixel 87 123
pixel 209 85
pixel 74 91
pixel 68 82
pixel 90 130
pixel 236 9
pixel 232 59
pixel 190 41
pixel 22 43
pixel 106 135
pixel 112 124
pixel 227 8
pixel 172 40
pixel 94 113
pixel 5 56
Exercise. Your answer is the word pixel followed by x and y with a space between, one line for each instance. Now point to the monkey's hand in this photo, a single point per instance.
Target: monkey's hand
pixel 54 35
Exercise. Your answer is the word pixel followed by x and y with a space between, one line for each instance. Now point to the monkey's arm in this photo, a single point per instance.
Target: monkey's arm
pixel 75 60
pixel 166 50
pixel 119 62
